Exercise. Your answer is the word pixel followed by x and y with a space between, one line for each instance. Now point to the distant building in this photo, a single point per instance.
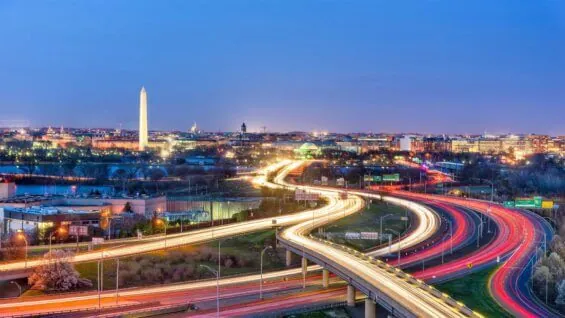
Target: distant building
pixel 141 205
pixel 201 161
pixel 490 145
pixel 40 218
pixel 437 144
pixel 308 150
pixel 127 144
pixel 539 143
pixel 410 143
pixel 464 145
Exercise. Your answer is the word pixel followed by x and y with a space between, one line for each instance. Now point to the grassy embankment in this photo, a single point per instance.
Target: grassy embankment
pixel 367 220
pixel 473 291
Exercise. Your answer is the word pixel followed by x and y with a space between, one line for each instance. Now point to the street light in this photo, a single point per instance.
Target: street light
pixel 450 235
pixel 399 243
pixel 261 280
pixel 215 272
pixel 161 222
pixel 51 237
pixel 19 287
pixel 100 272
pixel 381 226
pixel 22 236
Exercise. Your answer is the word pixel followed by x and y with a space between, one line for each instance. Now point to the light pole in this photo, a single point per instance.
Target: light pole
pixel 161 222
pixel 98 276
pixel 381 226
pixel 51 237
pixel 261 280
pixel 215 272
pixel 479 232
pixel 399 243
pixel 117 278
pixel 488 219
pixel 166 226
pixel 23 237
pixel 19 287
pixel 450 235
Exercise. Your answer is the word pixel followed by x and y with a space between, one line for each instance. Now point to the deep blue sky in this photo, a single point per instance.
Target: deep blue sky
pixel 426 66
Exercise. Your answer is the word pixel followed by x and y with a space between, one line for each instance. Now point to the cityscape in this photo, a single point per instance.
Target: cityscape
pixel 153 202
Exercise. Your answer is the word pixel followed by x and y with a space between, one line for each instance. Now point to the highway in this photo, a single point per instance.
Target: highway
pixel 520 233
pixel 507 285
pixel 197 236
pixel 162 292
pixel 382 284
pixel 326 213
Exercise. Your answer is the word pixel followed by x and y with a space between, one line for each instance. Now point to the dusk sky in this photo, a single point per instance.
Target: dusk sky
pixel 396 66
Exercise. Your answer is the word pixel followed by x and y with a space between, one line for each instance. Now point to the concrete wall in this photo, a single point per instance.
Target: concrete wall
pixel 7 190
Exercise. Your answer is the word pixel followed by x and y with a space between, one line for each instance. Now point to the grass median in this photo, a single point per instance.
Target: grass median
pixel 473 291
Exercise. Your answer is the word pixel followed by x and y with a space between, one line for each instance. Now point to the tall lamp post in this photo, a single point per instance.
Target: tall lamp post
pixel 399 243
pixel 161 222
pixel 52 235
pixel 261 278
pixel 215 272
pixel 381 226
pixel 450 236
pixel 22 236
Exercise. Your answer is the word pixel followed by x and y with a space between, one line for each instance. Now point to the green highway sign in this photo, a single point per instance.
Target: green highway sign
pixel 367 178
pixel 524 203
pixel 391 177
pixel 509 204
pixel 529 203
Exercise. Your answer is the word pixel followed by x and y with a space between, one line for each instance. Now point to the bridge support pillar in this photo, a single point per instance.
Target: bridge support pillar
pixel 288 258
pixel 370 308
pixel 304 266
pixel 325 278
pixel 350 296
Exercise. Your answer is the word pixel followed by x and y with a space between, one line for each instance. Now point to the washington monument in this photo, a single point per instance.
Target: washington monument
pixel 143 139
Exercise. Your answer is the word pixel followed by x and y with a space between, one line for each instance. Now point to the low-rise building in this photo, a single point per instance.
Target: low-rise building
pixel 37 218
pixel 464 145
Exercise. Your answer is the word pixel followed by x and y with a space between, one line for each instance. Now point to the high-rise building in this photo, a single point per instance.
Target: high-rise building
pixel 143 135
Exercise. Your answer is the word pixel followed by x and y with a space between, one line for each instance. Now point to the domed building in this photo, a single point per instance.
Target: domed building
pixel 308 150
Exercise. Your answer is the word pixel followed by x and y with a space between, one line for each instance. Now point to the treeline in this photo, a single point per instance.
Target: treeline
pixel 541 174
pixel 549 274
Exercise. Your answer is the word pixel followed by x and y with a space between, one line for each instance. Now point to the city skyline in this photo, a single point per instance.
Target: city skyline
pixel 458 68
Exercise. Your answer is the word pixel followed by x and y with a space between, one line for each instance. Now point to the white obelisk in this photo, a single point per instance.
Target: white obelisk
pixel 143 139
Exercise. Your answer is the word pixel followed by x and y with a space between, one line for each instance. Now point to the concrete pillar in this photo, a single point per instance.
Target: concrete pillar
pixel 304 266
pixel 288 258
pixel 370 308
pixel 350 296
pixel 325 278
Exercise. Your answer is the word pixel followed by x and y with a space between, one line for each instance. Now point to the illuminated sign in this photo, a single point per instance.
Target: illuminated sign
pixel 509 204
pixel 391 177
pixel 547 205
pixel 528 203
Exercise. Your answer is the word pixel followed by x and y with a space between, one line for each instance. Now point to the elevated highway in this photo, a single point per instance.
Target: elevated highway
pixel 393 289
